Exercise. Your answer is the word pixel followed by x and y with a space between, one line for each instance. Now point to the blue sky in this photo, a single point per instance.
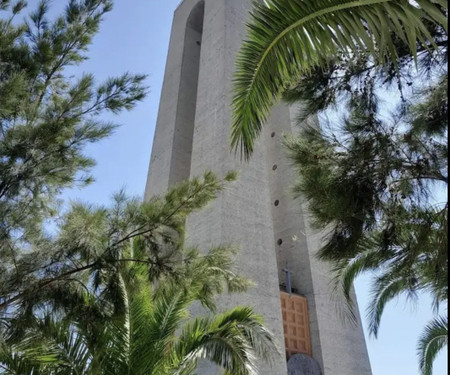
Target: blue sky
pixel 135 37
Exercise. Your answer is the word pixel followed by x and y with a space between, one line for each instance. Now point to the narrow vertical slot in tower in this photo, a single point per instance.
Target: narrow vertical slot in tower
pixel 180 165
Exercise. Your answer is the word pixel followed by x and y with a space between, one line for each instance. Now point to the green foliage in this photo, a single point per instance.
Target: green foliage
pixel 434 339
pixel 287 39
pixel 110 291
pixel 371 179
pixel 115 296
pixel 91 243
pixel 46 116
pixel 231 340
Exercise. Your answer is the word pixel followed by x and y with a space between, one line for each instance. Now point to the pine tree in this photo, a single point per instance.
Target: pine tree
pixel 114 296
pixel 47 117
pixel 371 178
pixel 55 269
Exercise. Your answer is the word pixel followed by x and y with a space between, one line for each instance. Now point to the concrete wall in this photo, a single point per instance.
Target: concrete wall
pixel 240 215
pixel 195 111
pixel 338 346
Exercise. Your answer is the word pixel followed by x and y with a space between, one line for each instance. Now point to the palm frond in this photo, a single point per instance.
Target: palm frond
pixel 115 352
pixel 53 348
pixel 24 358
pixel 168 312
pixel 204 276
pixel 432 341
pixel 231 340
pixel 74 355
pixel 288 38
pixel 114 357
pixel 386 288
pixel 346 272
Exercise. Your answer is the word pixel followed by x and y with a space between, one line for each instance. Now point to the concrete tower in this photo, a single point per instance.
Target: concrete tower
pixel 258 212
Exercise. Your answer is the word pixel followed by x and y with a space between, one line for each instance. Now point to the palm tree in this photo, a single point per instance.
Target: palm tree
pixel 152 334
pixel 115 296
pixel 287 39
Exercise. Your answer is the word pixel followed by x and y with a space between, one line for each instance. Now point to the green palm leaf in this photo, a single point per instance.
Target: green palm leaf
pixel 432 341
pixel 232 341
pixel 386 288
pixel 288 38
pixel 55 348
pixel 347 272
pixel 25 359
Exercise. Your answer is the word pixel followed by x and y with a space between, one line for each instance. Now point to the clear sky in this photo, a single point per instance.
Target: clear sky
pixel 135 37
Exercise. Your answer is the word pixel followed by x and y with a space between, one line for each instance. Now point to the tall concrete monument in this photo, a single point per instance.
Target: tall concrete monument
pixel 258 212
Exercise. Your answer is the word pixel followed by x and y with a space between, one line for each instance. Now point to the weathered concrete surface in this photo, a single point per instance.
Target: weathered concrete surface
pixel 302 364
pixel 192 135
